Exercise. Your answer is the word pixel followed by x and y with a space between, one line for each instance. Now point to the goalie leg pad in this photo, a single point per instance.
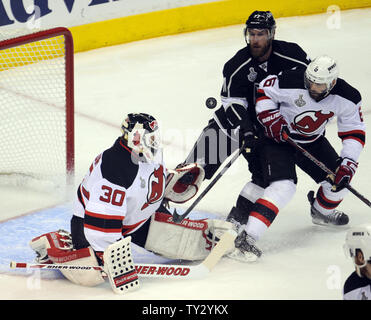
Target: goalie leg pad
pixel 81 257
pixel 189 240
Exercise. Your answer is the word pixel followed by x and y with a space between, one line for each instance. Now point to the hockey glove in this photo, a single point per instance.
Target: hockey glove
pixel 183 183
pixel 250 140
pixel 59 240
pixel 273 124
pixel 344 173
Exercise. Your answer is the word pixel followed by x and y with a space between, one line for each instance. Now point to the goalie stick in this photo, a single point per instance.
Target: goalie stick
pixel 177 218
pixel 168 271
pixel 287 138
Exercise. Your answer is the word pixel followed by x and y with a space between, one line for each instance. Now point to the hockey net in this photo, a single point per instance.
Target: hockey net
pixel 37 107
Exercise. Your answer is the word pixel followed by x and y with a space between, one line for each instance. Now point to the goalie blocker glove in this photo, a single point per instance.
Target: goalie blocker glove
pixel 56 248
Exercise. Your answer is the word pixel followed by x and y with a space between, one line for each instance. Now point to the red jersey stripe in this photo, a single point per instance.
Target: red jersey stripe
pixel 129 228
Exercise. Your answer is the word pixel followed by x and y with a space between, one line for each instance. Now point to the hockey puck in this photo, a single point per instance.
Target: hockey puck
pixel 211 103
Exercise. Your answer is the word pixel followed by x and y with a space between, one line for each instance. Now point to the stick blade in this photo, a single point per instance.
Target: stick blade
pixel 225 243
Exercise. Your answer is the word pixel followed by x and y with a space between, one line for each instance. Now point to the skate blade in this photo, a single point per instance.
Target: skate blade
pixel 243 257
pixel 330 225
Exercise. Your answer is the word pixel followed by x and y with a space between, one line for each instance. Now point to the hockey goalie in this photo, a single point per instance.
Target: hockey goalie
pixel 123 194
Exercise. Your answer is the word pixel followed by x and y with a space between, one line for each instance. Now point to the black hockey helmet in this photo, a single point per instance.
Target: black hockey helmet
pixel 261 20
pixel 140 132
pixel 146 121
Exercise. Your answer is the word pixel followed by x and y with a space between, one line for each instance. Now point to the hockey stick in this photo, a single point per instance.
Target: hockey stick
pixel 323 167
pixel 168 271
pixel 144 270
pixel 177 218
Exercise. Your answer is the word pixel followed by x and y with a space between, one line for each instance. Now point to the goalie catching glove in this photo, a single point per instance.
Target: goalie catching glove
pixel 183 183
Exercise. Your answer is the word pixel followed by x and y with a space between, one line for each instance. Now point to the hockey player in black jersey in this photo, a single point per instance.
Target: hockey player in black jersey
pixel 262 56
pixel 235 120
pixel 358 247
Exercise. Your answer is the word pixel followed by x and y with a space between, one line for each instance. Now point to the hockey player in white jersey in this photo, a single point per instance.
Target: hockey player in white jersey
pixel 302 103
pixel 358 247
pixel 122 194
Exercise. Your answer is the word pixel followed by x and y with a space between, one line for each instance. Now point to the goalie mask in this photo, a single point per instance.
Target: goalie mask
pixel 141 133
pixel 320 77
pixel 358 238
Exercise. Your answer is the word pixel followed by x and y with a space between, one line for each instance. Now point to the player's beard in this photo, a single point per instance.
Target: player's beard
pixel 259 51
pixel 317 96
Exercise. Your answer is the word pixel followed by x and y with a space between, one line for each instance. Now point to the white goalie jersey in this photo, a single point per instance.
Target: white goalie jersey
pixel 118 195
pixel 306 118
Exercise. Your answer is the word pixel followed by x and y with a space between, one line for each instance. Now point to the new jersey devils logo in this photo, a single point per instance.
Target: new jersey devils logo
pixel 155 187
pixel 310 122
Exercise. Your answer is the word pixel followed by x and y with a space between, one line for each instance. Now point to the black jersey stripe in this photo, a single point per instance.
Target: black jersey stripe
pixel 358 135
pixel 80 197
pixel 324 202
pixel 101 222
pixel 265 211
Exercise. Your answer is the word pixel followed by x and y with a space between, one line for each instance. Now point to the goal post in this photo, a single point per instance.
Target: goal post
pixel 37 105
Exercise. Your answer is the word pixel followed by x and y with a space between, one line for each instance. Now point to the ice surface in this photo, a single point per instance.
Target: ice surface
pixel 171 77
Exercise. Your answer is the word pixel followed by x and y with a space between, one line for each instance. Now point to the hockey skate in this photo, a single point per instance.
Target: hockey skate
pixel 245 249
pixel 336 218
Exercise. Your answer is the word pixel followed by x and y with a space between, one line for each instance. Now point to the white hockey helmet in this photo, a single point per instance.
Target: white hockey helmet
pixel 141 133
pixel 358 238
pixel 322 70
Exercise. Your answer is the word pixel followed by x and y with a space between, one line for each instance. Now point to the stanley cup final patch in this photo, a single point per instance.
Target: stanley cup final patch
pixel 252 75
pixel 300 102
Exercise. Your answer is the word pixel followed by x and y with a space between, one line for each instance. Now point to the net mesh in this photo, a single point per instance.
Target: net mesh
pixel 33 109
